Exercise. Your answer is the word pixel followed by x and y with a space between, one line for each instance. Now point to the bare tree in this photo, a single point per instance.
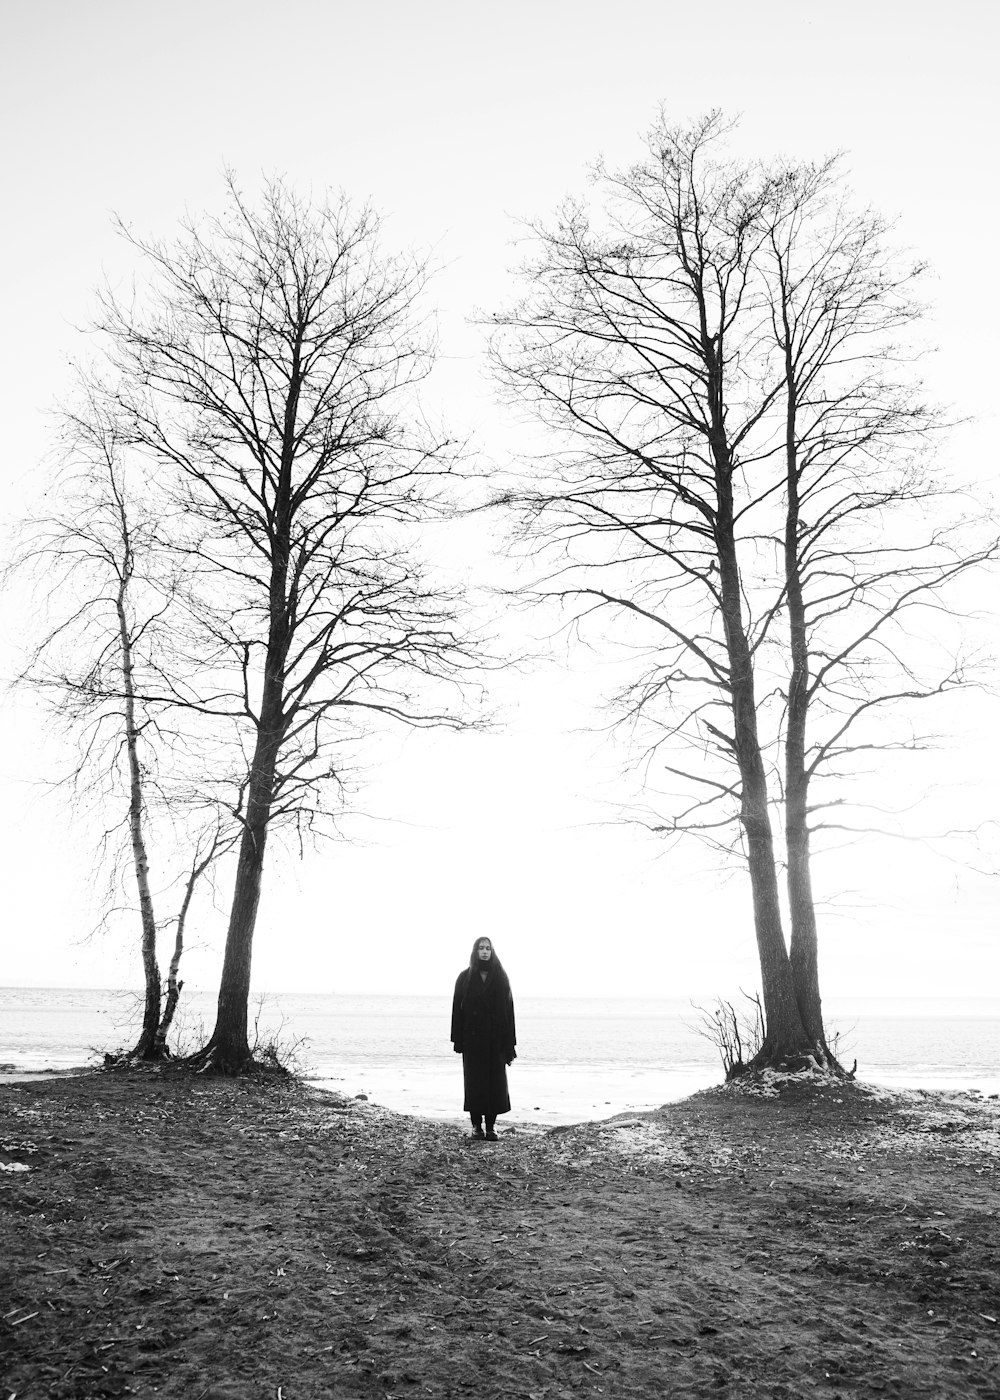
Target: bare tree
pixel 271 375
pixel 874 534
pixel 110 595
pixel 713 362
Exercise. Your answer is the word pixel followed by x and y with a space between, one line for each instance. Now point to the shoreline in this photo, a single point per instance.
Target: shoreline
pixel 641 1051
pixel 389 1087
pixel 223 1239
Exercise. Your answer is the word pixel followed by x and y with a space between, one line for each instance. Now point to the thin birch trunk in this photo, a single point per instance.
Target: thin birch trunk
pixel 147 1044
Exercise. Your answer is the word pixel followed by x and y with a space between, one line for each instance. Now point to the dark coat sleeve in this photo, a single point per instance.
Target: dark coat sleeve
pixel 457 1035
pixel 510 1053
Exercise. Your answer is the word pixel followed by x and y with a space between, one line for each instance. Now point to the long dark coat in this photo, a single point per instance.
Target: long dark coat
pixel 482 1031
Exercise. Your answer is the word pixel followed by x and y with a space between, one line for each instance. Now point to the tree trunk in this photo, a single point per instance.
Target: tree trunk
pixel 174 986
pixel 174 989
pixel 785 1037
pixel 804 952
pixel 147 1047
pixel 229 1048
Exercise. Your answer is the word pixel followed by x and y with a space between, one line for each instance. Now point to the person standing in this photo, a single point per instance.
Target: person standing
pixel 482 1032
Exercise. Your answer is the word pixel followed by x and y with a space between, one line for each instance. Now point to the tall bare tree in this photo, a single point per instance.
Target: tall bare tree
pixel 712 363
pixel 874 533
pixel 271 371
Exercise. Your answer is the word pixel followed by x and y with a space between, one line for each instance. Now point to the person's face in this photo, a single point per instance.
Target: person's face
pixel 485 950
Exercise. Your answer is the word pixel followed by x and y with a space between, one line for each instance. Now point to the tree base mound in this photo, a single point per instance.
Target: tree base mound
pixel 812 1080
pixel 212 1061
pixel 260 1068
pixel 137 1058
pixel 818 1059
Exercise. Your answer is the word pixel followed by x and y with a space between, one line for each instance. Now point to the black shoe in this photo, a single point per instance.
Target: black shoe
pixel 491 1135
pixel 479 1135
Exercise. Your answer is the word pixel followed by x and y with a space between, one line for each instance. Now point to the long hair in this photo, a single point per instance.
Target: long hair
pixel 493 966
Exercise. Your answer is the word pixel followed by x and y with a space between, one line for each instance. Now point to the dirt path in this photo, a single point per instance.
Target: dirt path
pixel 228 1241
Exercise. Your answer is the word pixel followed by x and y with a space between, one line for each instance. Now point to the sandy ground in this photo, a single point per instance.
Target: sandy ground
pixel 222 1240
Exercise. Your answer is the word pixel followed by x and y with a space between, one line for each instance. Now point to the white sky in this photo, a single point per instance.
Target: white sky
pixel 456 118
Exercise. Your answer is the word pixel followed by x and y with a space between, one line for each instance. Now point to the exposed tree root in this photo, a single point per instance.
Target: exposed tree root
pixel 145 1053
pixel 815 1059
pixel 213 1059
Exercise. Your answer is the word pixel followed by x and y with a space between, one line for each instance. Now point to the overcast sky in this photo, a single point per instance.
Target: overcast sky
pixel 455 120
